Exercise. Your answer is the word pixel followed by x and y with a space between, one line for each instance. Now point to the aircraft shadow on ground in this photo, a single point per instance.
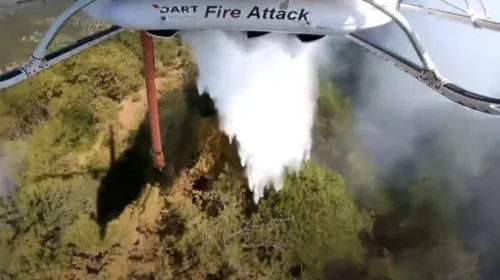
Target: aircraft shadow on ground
pixel 132 171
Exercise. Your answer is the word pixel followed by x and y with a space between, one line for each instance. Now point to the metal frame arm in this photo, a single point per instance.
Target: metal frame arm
pixel 58 23
pixel 39 61
pixel 468 18
pixel 428 73
pixel 412 35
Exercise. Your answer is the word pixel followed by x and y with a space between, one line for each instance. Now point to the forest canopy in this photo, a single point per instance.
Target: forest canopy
pixel 88 205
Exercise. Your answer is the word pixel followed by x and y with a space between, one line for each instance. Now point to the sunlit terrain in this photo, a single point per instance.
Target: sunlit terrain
pixel 401 184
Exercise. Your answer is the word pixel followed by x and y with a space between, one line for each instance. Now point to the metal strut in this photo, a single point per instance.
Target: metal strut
pixel 40 61
pixel 427 73
pixel 154 120
pixel 467 17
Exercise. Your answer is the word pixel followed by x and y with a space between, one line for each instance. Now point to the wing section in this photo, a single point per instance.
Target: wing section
pixel 428 73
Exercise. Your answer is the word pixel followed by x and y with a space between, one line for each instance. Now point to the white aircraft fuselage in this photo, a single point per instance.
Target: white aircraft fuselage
pixel 319 17
pixel 308 20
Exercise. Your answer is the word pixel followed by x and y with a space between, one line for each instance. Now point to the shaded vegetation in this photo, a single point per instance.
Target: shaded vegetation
pixel 89 206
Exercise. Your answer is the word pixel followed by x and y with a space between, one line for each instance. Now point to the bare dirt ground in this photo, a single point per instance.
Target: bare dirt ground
pixel 133 111
pixel 139 251
pixel 134 108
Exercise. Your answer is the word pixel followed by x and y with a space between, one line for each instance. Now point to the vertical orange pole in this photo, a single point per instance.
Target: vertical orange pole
pixel 154 121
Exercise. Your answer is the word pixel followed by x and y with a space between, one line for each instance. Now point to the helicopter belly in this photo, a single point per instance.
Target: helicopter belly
pixel 288 16
pixel 308 20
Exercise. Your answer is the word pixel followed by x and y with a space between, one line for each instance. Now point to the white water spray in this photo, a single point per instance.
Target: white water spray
pixel 264 90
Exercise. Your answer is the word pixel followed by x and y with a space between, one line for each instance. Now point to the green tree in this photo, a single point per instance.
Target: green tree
pixel 420 232
pixel 324 221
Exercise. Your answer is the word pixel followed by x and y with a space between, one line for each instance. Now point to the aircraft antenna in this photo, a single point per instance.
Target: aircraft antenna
pixel 485 10
pixel 467 4
pixel 456 6
pixel 425 7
